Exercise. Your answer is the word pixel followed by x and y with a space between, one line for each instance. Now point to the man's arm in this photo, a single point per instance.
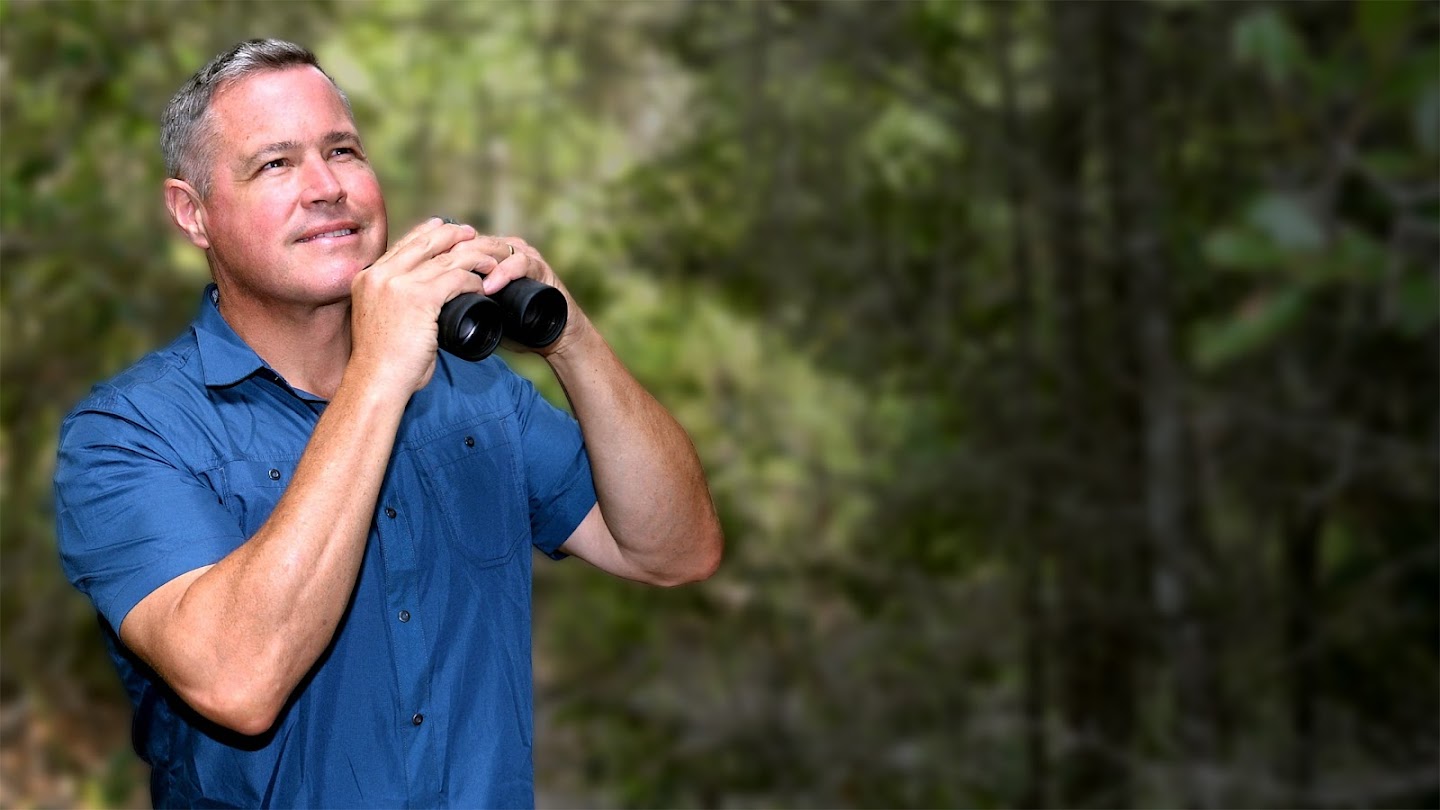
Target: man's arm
pixel 233 639
pixel 655 521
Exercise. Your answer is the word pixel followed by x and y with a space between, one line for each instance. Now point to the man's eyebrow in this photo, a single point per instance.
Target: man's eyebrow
pixel 330 138
pixel 339 136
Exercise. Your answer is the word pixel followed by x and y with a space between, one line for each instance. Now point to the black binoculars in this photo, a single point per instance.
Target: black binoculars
pixel 526 311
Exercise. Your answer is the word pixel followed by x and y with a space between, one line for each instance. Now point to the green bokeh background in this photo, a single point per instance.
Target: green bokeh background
pixel 1066 375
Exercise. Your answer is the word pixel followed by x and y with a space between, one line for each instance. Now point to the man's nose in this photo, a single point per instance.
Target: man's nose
pixel 322 185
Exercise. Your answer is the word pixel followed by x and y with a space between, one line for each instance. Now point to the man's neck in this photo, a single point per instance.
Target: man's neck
pixel 308 346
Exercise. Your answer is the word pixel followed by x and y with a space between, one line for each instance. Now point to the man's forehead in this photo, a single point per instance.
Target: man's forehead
pixel 250 106
pixel 278 80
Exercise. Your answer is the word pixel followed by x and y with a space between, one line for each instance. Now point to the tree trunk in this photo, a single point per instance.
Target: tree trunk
pixel 1096 558
pixel 1132 165
pixel 1302 541
pixel 1029 529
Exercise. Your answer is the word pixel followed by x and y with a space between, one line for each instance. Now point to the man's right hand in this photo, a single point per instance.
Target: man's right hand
pixel 395 302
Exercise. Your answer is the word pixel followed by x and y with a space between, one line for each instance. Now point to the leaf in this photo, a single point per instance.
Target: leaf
pixel 1259 321
pixel 1263 38
pixel 1276 227
pixel 1287 221
pixel 1241 248
pixel 1426 119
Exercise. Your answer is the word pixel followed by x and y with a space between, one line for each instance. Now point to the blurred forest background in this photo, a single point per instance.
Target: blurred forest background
pixel 1068 376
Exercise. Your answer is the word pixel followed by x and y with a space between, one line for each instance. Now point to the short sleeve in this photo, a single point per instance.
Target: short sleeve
pixel 557 469
pixel 130 514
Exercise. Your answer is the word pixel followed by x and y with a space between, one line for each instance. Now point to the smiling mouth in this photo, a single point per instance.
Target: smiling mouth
pixel 330 234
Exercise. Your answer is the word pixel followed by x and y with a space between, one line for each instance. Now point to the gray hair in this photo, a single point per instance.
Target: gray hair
pixel 186 136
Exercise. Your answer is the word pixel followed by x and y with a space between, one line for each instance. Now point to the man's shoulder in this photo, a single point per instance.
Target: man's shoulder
pixel 166 375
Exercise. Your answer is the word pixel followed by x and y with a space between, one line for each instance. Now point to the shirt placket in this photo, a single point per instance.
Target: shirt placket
pixel 422 726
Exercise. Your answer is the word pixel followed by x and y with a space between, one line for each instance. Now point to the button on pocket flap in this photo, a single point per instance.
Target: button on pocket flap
pixel 253 488
pixel 474 481
pixel 242 475
pixel 465 441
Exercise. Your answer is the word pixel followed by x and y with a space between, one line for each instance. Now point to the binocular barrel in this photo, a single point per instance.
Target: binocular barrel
pixel 526 311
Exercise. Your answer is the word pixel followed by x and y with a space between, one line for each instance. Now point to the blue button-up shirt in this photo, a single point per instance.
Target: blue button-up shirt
pixel 424 696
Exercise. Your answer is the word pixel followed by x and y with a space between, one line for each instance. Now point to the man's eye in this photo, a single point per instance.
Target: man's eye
pixel 344 151
pixel 273 164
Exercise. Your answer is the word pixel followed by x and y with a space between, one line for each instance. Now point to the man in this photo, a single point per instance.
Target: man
pixel 304 527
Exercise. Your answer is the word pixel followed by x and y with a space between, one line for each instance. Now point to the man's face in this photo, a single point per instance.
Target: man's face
pixel 295 210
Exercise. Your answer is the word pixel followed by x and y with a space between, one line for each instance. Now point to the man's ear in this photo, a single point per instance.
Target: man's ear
pixel 187 211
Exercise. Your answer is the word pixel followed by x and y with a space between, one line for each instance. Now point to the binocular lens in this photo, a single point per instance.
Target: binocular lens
pixel 470 326
pixel 535 313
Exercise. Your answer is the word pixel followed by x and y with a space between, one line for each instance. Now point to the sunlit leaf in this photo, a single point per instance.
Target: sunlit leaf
pixel 1287 221
pixel 1264 38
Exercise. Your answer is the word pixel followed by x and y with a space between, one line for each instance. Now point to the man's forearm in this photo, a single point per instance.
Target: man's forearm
pixel 236 638
pixel 648 478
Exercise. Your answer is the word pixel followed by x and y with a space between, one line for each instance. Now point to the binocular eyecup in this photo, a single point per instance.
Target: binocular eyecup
pixel 526 311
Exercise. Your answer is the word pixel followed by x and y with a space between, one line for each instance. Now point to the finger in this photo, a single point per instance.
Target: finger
pixel 426 244
pixel 517 259
pixel 426 226
pixel 457 281
pixel 509 269
pixel 447 286
pixel 501 247
pixel 454 260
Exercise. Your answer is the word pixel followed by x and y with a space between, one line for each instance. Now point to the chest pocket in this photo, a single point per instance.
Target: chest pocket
pixel 474 482
pixel 252 488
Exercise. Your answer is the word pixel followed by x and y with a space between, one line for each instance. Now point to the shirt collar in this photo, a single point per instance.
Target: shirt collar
pixel 224 356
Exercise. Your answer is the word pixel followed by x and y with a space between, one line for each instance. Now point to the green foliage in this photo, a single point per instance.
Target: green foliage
pixel 1261 322
pixel 921 280
pixel 1265 38
pixel 1427 119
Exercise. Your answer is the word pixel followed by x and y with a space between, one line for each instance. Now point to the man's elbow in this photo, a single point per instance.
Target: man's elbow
pixel 699 565
pixel 246 711
pixel 709 561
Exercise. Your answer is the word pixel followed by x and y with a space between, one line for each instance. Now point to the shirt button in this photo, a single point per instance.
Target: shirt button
pixel 274 474
pixel 404 615
pixel 417 719
pixel 469 441
pixel 389 512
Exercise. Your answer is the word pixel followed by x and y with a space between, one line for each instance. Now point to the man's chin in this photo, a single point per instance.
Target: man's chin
pixel 332 283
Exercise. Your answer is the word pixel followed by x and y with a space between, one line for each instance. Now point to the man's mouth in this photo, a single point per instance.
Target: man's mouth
pixel 330 234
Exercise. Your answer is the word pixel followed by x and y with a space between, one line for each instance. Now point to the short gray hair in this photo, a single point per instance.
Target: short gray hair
pixel 186 138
